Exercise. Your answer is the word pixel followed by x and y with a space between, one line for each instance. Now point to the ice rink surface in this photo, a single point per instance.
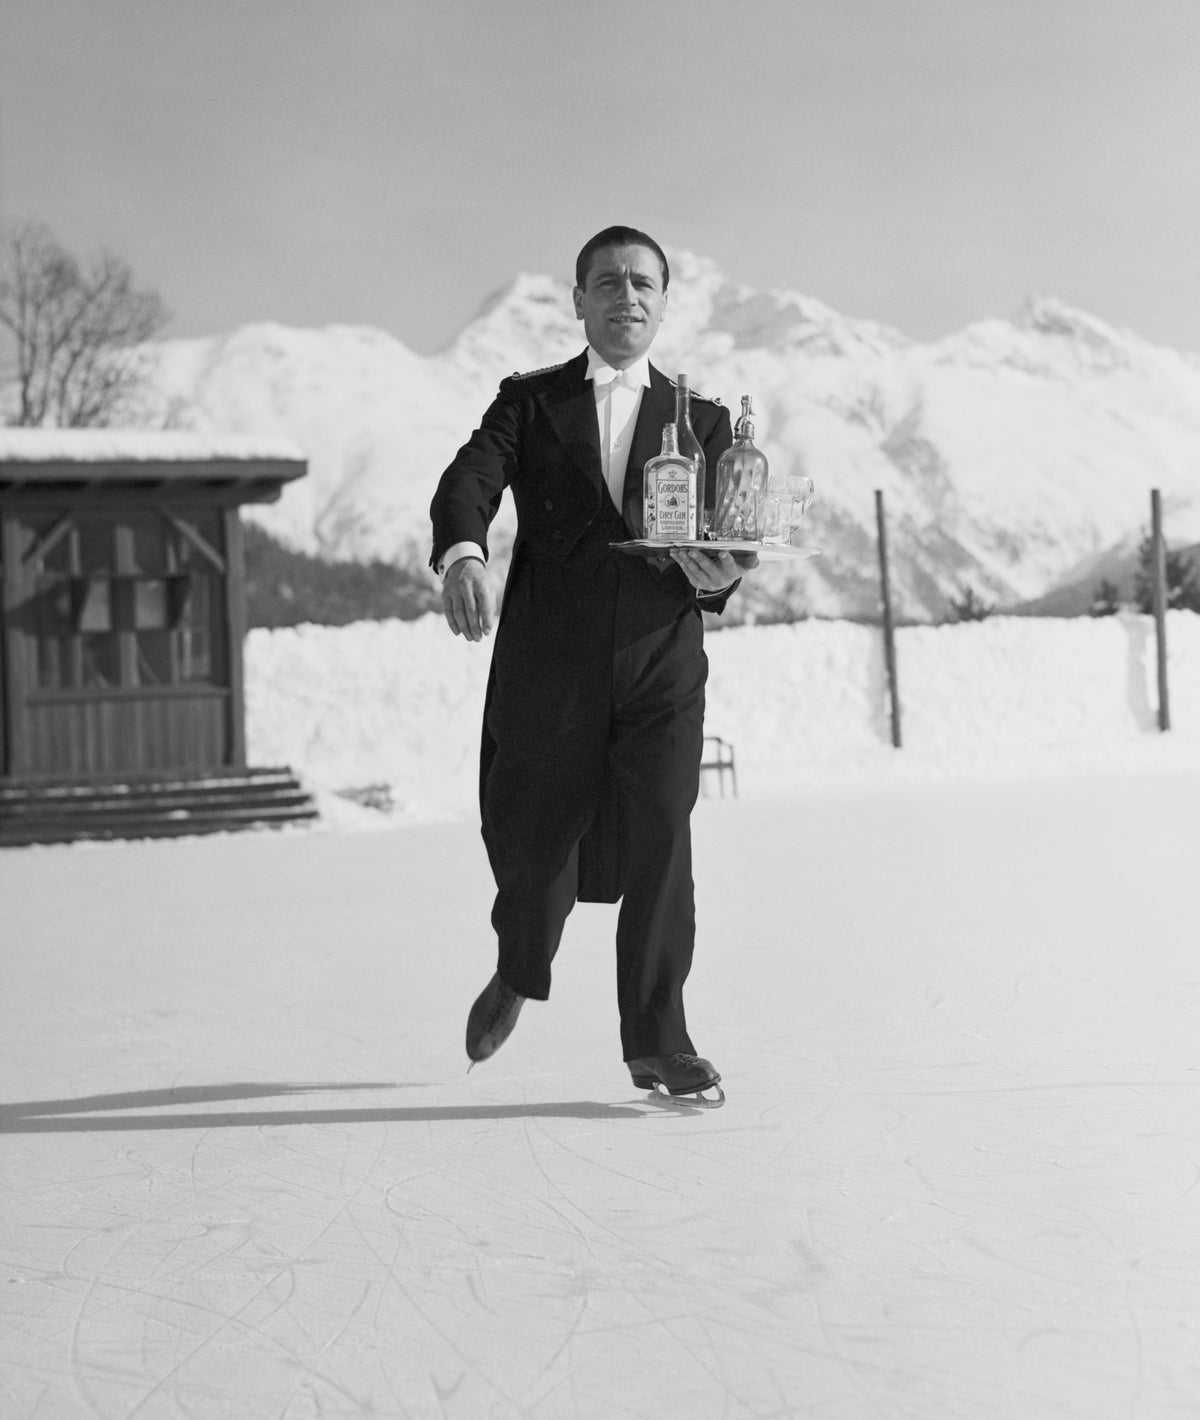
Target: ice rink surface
pixel 245 1174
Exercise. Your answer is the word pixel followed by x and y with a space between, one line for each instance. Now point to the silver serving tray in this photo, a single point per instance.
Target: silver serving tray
pixel 767 551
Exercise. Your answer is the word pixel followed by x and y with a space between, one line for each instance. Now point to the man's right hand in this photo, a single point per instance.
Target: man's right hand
pixel 467 599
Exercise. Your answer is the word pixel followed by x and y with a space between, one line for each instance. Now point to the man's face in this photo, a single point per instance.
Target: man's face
pixel 622 304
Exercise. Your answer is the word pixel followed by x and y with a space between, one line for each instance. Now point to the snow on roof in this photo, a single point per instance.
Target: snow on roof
pixel 138 446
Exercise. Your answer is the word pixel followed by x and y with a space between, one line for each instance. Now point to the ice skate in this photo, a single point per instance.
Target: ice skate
pixel 688 1079
pixel 492 1019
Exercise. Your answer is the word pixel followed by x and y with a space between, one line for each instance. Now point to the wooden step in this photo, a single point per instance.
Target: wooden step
pixel 18 790
pixel 143 804
pixel 34 812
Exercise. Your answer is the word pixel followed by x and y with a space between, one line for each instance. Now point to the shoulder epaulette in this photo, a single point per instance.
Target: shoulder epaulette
pixel 529 374
pixel 695 394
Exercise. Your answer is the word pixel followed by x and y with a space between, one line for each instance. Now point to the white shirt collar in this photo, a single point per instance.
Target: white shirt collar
pixel 602 373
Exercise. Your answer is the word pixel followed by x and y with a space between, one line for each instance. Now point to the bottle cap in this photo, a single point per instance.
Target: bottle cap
pixel 745 424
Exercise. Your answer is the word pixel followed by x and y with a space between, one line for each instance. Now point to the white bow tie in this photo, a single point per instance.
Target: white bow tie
pixel 606 375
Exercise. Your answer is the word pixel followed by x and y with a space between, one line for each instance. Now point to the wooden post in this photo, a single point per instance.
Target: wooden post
pixel 12 670
pixel 889 637
pixel 234 592
pixel 1159 581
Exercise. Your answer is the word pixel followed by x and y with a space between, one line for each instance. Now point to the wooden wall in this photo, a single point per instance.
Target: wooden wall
pixel 94 736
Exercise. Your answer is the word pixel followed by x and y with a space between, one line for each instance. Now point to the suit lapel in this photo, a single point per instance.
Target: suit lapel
pixel 569 406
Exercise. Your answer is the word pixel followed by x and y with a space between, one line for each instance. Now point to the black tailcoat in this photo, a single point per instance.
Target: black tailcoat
pixel 593 725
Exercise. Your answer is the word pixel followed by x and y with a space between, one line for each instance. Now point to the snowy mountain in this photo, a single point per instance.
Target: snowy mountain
pixel 1013 455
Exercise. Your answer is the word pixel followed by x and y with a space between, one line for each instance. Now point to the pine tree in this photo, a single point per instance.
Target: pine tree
pixel 970 606
pixel 1106 599
pixel 1183 579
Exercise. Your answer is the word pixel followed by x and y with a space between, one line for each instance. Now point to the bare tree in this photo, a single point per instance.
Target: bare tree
pixel 78 332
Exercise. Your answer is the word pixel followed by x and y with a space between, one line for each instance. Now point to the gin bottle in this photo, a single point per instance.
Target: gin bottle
pixel 672 498
pixel 741 483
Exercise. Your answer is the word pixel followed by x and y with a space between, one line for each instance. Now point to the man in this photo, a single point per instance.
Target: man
pixel 593 726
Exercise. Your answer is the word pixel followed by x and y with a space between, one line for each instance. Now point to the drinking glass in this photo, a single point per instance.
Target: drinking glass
pixel 782 508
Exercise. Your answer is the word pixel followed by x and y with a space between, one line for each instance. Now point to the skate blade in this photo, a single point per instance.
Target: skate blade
pixel 713 1097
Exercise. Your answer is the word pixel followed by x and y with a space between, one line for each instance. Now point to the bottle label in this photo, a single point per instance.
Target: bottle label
pixel 670 511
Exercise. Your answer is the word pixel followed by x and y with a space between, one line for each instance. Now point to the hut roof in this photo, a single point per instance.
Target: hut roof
pixel 132 456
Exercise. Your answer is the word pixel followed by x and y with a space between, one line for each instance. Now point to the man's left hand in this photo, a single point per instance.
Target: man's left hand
pixel 712 571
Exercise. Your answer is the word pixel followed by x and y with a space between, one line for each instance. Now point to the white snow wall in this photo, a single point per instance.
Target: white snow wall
pixel 804 705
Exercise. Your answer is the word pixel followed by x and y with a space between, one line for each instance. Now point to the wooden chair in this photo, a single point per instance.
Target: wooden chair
pixel 718 758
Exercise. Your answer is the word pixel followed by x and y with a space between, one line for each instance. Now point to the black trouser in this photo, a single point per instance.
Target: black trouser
pixel 598 674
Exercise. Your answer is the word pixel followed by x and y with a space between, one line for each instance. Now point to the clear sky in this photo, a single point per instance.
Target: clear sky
pixel 392 162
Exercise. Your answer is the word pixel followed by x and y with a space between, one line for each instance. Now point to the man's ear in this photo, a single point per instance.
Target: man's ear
pixel 577 297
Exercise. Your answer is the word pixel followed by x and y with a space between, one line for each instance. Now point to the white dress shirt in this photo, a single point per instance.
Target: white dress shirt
pixel 618 399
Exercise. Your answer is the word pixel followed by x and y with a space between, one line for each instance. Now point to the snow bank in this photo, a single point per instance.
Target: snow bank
pixel 377 702
pixel 808 704
pixel 805 705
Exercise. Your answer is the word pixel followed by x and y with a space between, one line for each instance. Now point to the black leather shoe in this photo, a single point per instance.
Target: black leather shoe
pixel 492 1019
pixel 679 1074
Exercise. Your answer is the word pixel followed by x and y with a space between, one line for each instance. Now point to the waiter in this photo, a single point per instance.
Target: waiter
pixel 594 717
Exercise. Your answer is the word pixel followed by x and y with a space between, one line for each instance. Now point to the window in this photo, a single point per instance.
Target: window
pixel 127 600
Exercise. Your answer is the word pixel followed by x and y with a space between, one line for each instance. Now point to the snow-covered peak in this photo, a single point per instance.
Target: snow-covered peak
pixel 1050 316
pixel 705 302
pixel 1050 338
pixel 530 322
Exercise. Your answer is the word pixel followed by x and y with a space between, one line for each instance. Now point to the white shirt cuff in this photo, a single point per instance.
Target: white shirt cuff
pixel 457 552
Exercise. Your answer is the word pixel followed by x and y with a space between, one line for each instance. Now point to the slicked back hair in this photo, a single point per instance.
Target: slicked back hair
pixel 617 237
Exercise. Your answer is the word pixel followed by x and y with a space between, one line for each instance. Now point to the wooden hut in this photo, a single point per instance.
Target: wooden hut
pixel 122 617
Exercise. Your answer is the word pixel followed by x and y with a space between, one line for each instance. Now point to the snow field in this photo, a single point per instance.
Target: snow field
pixel 805 705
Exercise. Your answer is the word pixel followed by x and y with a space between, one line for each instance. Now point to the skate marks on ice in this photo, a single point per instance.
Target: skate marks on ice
pixel 443 1266
pixel 1005 1187
pixel 956 1177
